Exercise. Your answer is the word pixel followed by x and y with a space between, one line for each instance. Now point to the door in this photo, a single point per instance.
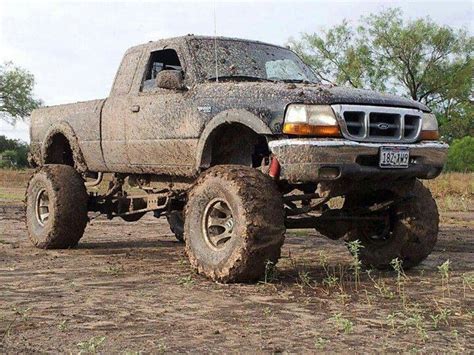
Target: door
pixel 114 113
pixel 161 132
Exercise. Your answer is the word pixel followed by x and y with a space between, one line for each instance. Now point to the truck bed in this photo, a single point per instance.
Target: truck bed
pixel 83 118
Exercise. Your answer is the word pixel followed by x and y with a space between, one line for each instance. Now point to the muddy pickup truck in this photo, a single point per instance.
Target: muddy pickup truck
pixel 235 141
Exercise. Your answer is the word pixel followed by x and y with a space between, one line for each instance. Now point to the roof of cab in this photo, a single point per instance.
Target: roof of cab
pixel 198 37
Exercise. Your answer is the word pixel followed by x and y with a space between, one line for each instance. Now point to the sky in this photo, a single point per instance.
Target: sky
pixel 73 48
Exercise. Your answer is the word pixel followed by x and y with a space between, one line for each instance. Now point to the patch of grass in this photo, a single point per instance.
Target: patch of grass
pixel 267 311
pixel 186 280
pixel 467 282
pixel 343 324
pixel 15 178
pixel 304 279
pixel 10 194
pixel 161 347
pixel 354 247
pixel 183 262
pixel 392 319
pixel 330 281
pixel 20 314
pixel 62 326
pixel 397 265
pixel 90 346
pixel 453 191
pixel 416 321
pixel 271 272
pixel 114 270
pixel 321 343
pixel 299 232
pixel 454 184
pixel 381 287
pixel 441 317
pixel 445 276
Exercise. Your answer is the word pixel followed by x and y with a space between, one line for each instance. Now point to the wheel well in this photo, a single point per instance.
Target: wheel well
pixel 59 151
pixel 235 143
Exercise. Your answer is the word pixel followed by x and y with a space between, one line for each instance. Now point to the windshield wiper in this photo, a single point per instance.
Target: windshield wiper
pixel 240 78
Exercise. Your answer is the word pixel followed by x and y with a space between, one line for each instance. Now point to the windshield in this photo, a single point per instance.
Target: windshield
pixel 241 60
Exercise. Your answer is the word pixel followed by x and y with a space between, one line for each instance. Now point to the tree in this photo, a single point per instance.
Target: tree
pixel 420 59
pixel 16 93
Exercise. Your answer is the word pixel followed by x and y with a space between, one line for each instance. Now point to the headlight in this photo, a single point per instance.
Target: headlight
pixel 429 127
pixel 314 120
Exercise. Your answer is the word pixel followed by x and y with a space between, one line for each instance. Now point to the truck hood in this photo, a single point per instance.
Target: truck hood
pixel 306 93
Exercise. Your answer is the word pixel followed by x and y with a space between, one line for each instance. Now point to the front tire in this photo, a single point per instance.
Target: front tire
pixel 56 207
pixel 411 232
pixel 234 224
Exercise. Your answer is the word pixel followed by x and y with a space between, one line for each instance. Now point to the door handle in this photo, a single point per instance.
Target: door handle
pixel 135 108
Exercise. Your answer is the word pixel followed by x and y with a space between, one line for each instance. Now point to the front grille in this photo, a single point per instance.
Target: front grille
pixel 378 124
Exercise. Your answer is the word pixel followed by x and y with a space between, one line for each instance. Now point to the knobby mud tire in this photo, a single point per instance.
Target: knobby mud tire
pixel 414 230
pixel 257 209
pixel 67 207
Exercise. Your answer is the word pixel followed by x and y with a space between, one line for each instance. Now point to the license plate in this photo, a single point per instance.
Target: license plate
pixel 394 157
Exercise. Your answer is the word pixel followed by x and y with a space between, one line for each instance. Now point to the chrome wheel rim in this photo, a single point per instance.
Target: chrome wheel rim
pixel 218 223
pixel 42 207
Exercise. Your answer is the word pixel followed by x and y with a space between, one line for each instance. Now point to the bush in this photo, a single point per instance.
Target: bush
pixel 13 153
pixel 8 159
pixel 461 155
pixel 14 159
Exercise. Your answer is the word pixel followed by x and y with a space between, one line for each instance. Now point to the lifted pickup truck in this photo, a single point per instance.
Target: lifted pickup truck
pixel 235 141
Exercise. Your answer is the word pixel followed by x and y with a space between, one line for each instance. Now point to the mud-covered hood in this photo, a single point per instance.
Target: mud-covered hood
pixel 320 94
pixel 343 95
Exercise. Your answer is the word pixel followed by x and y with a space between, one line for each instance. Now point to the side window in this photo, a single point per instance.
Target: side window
pixel 166 59
pixel 125 73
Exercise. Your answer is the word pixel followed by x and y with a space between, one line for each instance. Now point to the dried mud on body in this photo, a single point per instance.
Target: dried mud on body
pixel 128 287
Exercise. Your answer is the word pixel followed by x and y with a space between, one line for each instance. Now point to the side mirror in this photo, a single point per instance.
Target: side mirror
pixel 170 79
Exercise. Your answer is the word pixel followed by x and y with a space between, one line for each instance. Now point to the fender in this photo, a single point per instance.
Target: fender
pixel 66 130
pixel 241 116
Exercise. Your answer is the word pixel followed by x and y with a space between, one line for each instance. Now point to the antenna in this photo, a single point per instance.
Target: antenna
pixel 215 43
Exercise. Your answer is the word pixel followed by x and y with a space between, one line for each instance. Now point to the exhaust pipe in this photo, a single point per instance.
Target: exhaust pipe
pixel 95 182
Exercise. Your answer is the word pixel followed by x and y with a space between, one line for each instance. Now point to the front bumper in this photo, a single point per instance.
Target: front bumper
pixel 311 160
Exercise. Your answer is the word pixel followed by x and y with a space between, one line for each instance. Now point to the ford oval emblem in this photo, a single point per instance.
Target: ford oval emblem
pixel 382 126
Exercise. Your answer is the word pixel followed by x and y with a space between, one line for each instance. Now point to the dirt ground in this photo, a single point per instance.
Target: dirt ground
pixel 128 288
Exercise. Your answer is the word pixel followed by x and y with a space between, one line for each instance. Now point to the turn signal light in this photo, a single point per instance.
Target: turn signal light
pixel 429 135
pixel 303 129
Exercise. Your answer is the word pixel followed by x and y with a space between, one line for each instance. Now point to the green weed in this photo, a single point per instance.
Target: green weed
pixel 63 325
pixel 186 280
pixel 355 247
pixel 443 269
pixel 343 324
pixel 441 317
pixel 90 346
pixel 320 343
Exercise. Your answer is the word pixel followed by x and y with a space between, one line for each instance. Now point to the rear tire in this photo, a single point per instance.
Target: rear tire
pixel 412 233
pixel 176 222
pixel 234 224
pixel 56 207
